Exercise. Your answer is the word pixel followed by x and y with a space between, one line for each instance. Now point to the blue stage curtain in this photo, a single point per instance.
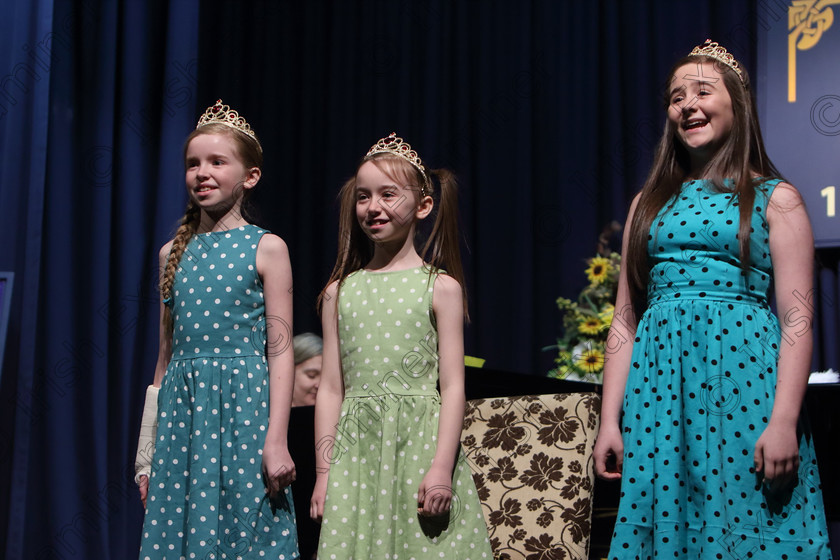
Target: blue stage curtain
pixel 92 167
pixel 25 36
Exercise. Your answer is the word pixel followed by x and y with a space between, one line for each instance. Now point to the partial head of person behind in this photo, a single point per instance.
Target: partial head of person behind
pixel 236 157
pixel 437 244
pixel 711 132
pixel 308 348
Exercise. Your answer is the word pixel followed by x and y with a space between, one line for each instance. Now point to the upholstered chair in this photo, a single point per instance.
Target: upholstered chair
pixel 531 458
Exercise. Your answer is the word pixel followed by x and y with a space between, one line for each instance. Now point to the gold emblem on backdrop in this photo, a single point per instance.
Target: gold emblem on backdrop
pixel 807 21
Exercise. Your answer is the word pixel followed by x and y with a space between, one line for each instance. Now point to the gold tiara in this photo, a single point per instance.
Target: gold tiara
pixel 397 146
pixel 223 114
pixel 719 53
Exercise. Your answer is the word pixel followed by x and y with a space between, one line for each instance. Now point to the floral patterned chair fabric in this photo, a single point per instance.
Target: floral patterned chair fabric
pixel 532 463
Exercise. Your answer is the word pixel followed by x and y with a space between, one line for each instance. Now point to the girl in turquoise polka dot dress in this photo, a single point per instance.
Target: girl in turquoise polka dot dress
pixel 213 464
pixel 703 385
pixel 391 481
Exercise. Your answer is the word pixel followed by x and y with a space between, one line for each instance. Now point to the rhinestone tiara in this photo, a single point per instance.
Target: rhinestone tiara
pixel 223 114
pixel 399 147
pixel 719 53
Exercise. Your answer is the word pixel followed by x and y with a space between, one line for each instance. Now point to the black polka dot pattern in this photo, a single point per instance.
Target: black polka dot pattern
pixel 699 394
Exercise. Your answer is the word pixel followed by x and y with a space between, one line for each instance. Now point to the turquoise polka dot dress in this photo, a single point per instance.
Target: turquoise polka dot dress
pixel 699 394
pixel 387 431
pixel 206 496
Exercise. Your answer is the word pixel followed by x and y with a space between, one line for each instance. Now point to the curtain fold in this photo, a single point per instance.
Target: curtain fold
pixel 92 180
pixel 27 40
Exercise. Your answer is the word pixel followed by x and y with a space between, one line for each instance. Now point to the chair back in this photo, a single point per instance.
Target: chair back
pixel 532 463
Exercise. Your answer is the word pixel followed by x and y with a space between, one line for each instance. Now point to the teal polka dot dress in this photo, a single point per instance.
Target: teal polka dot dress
pixel 700 392
pixel 206 496
pixel 387 432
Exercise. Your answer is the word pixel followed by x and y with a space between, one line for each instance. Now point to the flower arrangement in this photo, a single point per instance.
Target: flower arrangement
pixel 586 322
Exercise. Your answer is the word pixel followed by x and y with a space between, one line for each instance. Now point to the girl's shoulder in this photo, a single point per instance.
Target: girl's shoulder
pixel 447 291
pixel 447 299
pixel 783 199
pixel 776 194
pixel 444 282
pixel 272 244
pixel 332 289
pixel 272 256
pixel 784 194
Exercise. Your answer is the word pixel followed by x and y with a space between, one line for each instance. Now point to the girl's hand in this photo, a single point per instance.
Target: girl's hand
pixel 435 494
pixel 319 495
pixel 777 455
pixel 144 489
pixel 278 469
pixel 609 453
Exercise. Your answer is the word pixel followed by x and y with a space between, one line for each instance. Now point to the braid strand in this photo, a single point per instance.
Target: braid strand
pixel 187 228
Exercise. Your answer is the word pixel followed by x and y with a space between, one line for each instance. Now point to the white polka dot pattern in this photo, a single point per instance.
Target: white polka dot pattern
pixel 206 495
pixel 387 433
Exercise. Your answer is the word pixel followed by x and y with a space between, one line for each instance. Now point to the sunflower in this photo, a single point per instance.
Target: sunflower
pixel 591 326
pixel 586 322
pixel 590 360
pixel 599 269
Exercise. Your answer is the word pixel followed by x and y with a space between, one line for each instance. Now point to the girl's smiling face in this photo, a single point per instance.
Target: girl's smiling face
pixel 216 178
pixel 700 108
pixel 385 209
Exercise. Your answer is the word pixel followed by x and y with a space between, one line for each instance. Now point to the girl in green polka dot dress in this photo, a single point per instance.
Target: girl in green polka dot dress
pixel 216 485
pixel 391 481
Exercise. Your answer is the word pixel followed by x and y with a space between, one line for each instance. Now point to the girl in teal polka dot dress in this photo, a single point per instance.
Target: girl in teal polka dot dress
pixel 391 481
pixel 213 464
pixel 703 385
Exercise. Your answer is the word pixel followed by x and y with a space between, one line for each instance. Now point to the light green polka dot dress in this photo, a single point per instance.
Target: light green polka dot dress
pixel 206 495
pixel 387 431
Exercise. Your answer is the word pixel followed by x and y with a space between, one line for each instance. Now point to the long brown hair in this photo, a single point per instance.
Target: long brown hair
pixel 250 153
pixel 740 157
pixel 441 248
